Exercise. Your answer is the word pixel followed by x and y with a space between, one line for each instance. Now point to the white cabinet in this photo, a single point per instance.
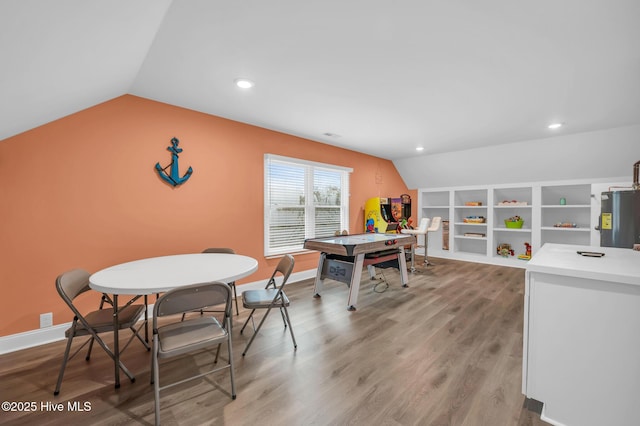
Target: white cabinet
pixel 580 335
pixel 563 212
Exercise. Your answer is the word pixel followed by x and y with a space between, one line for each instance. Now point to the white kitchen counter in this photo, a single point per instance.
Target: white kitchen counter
pixel 581 340
pixel 617 265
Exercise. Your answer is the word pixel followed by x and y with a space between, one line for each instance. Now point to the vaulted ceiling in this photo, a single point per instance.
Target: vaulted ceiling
pixel 377 76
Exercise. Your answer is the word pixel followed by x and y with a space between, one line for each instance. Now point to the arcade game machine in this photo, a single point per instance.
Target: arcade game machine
pixel 386 215
pixel 382 215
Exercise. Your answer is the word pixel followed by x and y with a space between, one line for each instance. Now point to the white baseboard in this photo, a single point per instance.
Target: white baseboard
pixel 28 339
pixel 42 336
pixel 543 417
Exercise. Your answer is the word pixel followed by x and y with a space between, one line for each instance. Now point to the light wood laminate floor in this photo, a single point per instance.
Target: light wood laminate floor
pixel 445 351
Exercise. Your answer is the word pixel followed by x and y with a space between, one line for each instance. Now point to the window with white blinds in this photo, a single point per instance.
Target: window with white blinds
pixel 302 199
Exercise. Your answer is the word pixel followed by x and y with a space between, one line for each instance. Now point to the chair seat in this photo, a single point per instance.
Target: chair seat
pixel 190 335
pixel 101 320
pixel 413 231
pixel 261 299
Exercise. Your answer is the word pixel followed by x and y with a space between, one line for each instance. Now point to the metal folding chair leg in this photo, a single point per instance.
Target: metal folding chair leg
pixel 89 350
pixel 67 358
pixel 256 331
pixel 247 322
pixel 286 313
pixel 285 319
pixel 235 297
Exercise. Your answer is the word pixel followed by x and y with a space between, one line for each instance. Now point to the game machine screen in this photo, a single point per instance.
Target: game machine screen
pixel 382 214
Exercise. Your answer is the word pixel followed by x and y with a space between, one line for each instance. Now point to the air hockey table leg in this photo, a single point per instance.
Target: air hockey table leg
pixel 317 286
pixel 354 288
pixel 402 263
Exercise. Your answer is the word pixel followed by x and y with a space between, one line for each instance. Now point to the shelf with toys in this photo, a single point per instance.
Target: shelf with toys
pixel 513 233
pixel 522 216
pixel 566 214
pixel 506 250
pixel 470 221
pixel 512 223
pixel 512 209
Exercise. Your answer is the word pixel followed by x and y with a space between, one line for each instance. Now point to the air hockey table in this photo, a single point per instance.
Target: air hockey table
pixel 342 258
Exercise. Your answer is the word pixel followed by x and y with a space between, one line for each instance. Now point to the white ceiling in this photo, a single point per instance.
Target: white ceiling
pixel 385 75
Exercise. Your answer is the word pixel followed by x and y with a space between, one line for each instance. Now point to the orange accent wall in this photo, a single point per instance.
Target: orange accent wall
pixel 82 192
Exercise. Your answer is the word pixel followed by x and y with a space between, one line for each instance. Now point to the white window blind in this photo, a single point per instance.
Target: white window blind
pixel 302 200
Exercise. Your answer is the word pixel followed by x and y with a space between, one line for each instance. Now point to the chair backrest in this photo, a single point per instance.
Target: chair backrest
pixel 192 298
pixel 219 250
pixel 71 284
pixel 435 224
pixel 424 225
pixel 285 266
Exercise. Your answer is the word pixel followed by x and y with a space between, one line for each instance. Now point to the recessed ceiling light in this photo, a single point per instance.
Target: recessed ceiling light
pixel 244 83
pixel 555 125
pixel 420 148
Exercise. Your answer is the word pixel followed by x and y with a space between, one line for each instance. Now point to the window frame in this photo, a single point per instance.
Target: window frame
pixel 309 207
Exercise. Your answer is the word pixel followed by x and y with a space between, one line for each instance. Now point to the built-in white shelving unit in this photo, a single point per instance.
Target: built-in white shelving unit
pixel 569 221
pixel 436 203
pixel 469 236
pixel 563 212
pixel 507 203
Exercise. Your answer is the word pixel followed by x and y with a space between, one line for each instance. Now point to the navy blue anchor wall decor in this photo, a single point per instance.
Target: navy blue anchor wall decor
pixel 173 178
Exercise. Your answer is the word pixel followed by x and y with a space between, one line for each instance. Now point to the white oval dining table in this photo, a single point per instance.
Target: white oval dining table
pixel 160 274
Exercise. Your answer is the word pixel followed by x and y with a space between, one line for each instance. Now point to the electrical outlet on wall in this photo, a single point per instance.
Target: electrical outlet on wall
pixel 46 320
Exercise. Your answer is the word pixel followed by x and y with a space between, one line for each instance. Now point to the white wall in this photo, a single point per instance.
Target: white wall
pixel 601 154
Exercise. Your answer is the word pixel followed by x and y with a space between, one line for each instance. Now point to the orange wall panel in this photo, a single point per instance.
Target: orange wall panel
pixel 82 192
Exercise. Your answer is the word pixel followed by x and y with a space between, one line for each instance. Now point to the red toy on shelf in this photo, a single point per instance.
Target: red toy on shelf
pixel 527 254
